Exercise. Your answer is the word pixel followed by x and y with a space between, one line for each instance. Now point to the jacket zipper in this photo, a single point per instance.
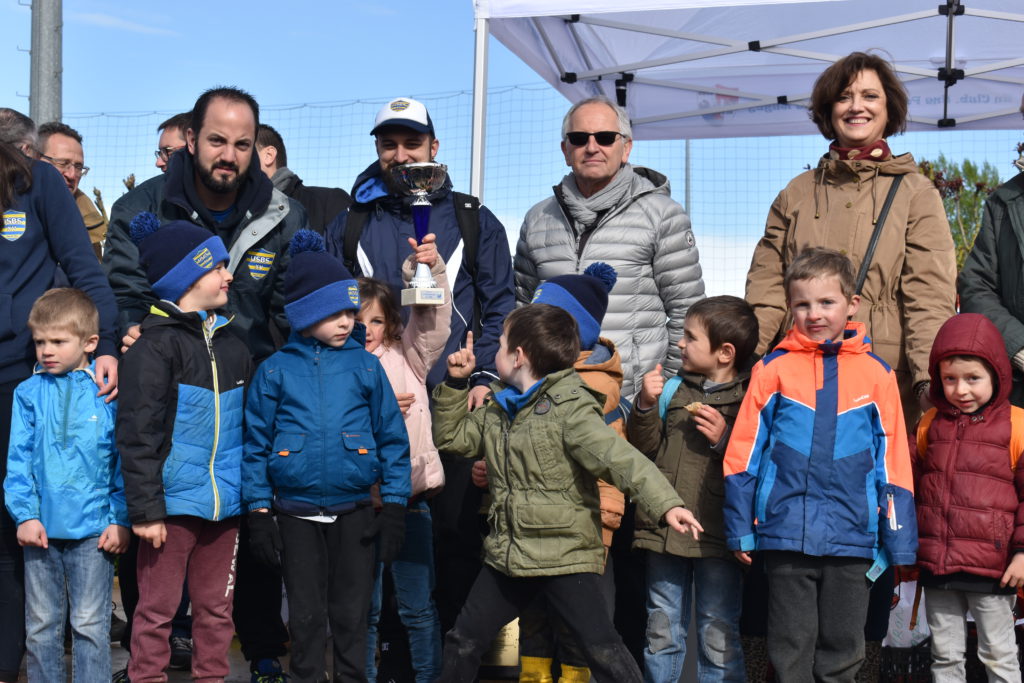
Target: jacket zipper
pixel 323 421
pixel 508 505
pixel 67 411
pixel 208 336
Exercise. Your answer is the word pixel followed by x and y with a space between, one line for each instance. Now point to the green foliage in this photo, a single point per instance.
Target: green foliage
pixel 964 188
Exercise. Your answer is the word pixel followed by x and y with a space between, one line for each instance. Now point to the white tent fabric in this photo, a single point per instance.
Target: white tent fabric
pixel 728 68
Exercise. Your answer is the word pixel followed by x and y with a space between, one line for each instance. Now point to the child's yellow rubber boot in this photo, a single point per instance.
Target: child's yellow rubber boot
pixel 536 670
pixel 574 674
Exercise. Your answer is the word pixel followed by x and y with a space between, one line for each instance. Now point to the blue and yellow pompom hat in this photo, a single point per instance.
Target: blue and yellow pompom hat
pixel 584 297
pixel 176 254
pixel 316 284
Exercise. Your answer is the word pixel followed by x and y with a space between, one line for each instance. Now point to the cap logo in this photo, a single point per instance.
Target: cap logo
pixel 203 258
pixel 14 225
pixel 259 262
pixel 399 105
pixel 353 294
pixel 536 295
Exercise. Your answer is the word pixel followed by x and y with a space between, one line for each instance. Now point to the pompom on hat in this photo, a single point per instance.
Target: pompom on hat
pixel 176 254
pixel 585 297
pixel 316 285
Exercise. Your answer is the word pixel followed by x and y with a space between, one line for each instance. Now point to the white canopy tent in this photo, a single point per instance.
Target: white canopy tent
pixel 687 69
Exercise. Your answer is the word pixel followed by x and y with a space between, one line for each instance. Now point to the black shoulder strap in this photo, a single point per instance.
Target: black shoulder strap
pixel 354 224
pixel 467 215
pixel 869 255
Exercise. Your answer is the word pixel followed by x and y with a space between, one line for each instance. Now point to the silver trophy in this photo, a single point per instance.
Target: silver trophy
pixel 418 180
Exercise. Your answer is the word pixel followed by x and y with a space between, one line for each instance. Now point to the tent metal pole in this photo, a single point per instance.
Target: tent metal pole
pixel 686 192
pixel 476 164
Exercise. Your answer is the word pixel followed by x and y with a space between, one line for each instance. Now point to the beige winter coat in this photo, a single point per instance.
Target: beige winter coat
pixel 910 287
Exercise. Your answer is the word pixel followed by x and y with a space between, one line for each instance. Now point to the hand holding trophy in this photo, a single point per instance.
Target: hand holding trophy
pixel 419 180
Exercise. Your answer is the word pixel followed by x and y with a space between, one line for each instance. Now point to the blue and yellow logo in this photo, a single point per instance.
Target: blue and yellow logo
pixel 536 295
pixel 353 295
pixel 399 105
pixel 14 225
pixel 203 258
pixel 259 262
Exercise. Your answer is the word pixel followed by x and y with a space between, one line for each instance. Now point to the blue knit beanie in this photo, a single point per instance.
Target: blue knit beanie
pixel 585 297
pixel 316 285
pixel 175 255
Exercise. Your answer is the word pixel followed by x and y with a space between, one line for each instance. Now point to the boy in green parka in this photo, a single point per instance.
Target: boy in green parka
pixel 546 444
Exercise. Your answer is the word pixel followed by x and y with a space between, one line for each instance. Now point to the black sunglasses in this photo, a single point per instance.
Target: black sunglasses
pixel 605 138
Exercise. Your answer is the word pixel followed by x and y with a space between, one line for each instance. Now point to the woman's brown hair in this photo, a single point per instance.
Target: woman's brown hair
pixel 15 174
pixel 837 78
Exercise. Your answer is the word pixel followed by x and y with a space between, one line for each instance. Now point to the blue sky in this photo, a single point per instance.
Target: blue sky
pixel 138 56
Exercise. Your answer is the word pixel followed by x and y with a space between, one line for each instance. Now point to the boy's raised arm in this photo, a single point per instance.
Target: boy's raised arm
pixel 455 429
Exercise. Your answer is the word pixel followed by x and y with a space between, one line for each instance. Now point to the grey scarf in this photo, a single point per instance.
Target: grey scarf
pixel 586 210
pixel 281 178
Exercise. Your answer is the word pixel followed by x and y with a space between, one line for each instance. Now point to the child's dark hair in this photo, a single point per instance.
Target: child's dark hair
pixel 728 320
pixel 968 358
pixel 370 290
pixel 66 309
pixel 813 263
pixel 547 334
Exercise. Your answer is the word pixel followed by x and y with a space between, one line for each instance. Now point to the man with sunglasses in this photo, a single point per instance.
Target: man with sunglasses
pixel 61 146
pixel 607 210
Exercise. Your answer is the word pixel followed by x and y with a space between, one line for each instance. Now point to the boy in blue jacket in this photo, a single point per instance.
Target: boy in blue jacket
pixel 323 426
pixel 180 437
pixel 63 489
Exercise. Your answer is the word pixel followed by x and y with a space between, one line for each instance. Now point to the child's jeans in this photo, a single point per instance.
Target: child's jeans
pixel 79 572
pixel 997 645
pixel 205 550
pixel 817 607
pixel 716 586
pixel 413 575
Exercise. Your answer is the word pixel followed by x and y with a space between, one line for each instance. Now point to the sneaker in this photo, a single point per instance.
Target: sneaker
pixel 267 671
pixel 120 676
pixel 181 653
pixel 117 627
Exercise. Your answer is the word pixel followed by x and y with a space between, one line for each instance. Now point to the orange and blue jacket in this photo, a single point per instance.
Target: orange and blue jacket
pixel 818 462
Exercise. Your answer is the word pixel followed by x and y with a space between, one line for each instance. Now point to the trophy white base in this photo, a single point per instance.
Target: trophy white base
pixel 419 296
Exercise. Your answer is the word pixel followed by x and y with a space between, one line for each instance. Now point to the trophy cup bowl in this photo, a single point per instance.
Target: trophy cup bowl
pixel 418 180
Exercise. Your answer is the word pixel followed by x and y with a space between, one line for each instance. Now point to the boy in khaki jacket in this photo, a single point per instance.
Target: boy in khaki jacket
pixel 546 445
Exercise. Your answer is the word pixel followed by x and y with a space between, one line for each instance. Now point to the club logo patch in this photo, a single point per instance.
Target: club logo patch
pixel 14 225
pixel 399 105
pixel 543 407
pixel 353 295
pixel 536 295
pixel 259 262
pixel 203 258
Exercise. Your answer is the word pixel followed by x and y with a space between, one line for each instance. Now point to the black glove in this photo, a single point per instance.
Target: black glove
pixel 265 539
pixel 390 524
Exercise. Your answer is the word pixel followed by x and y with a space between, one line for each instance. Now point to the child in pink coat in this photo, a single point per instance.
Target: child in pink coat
pixel 407 356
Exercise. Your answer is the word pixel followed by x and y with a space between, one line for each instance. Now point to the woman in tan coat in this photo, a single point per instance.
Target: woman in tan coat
pixel 910 286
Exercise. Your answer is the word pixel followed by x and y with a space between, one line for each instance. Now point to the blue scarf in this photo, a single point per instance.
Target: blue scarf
pixel 512 400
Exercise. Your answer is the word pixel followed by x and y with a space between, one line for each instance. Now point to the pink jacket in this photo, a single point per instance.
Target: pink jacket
pixel 407 364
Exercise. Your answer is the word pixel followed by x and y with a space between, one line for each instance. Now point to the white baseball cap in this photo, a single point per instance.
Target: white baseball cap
pixel 405 112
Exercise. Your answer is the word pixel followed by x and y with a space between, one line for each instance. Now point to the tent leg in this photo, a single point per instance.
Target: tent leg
pixel 476 167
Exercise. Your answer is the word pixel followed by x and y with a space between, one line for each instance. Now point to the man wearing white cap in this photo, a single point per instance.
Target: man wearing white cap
pixel 482 290
pixel 371 238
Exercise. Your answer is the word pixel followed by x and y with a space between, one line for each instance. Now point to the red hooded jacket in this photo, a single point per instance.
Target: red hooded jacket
pixel 970 514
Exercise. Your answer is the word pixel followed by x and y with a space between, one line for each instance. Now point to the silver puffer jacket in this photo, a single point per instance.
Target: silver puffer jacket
pixel 648 240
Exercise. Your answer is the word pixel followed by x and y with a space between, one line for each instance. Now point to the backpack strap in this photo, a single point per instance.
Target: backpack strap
pixel 669 390
pixel 358 214
pixel 922 431
pixel 620 411
pixel 467 215
pixel 1016 434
